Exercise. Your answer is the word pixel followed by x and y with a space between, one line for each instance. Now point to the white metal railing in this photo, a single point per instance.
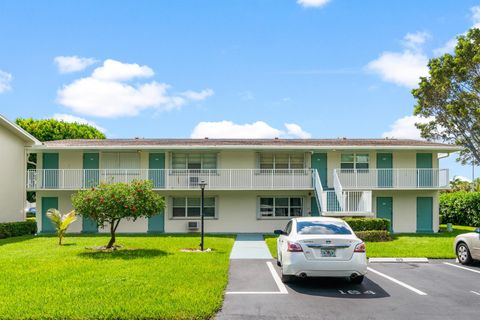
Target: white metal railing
pixel 318 188
pixel 398 178
pixel 350 203
pixel 178 179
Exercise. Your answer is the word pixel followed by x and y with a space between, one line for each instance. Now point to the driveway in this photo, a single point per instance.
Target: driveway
pixel 441 289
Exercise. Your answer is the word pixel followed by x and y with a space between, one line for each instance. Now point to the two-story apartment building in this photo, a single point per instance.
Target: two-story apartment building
pixel 253 185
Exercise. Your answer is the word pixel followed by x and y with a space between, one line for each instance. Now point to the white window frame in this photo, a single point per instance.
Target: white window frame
pixel 201 154
pixel 259 213
pixel 274 155
pixel 170 210
pixel 355 162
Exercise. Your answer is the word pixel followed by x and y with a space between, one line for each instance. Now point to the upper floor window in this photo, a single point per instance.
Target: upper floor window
pixel 282 161
pixel 354 161
pixel 120 160
pixel 194 160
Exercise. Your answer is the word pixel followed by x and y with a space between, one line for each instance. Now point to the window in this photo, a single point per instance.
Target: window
pixel 354 161
pixel 189 207
pixel 281 207
pixel 281 161
pixel 194 161
pixel 319 227
pixel 288 228
pixel 120 160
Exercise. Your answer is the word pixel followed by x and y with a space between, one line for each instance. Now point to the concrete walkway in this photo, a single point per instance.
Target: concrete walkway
pixel 250 246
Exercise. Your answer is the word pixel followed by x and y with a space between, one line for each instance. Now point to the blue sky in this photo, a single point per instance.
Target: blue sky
pixel 266 68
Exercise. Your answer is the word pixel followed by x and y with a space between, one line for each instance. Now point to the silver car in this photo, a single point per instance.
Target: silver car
pixel 467 246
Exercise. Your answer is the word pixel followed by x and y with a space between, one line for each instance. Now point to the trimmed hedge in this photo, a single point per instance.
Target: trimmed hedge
pixel 462 208
pixel 368 224
pixel 374 235
pixel 15 229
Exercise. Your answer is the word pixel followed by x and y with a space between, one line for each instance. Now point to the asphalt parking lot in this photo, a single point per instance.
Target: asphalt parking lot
pixel 440 289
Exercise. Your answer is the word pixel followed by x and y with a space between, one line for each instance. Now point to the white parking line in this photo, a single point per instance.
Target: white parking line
pixel 460 267
pixel 475 292
pixel 281 287
pixel 403 284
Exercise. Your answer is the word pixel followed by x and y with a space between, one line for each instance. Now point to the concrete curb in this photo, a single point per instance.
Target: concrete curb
pixel 398 260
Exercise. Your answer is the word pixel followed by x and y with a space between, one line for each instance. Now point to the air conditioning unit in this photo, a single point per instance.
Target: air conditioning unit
pixel 192 225
pixel 193 181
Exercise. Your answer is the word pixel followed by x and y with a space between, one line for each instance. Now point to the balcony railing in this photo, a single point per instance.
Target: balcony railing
pixel 348 203
pixel 392 178
pixel 174 179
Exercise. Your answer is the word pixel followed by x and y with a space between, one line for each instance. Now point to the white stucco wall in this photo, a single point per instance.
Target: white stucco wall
pixel 12 173
pixel 405 208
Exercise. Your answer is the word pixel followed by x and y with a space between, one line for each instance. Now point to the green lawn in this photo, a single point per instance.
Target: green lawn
pixel 438 245
pixel 151 280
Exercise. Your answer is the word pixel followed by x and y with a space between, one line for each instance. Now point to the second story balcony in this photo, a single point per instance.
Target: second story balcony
pixel 173 179
pixel 398 178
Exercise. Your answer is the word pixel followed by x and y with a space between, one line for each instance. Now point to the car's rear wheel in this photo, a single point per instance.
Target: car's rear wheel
pixel 463 254
pixel 357 279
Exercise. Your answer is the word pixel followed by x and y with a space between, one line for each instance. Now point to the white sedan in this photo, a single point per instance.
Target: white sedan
pixel 467 246
pixel 320 247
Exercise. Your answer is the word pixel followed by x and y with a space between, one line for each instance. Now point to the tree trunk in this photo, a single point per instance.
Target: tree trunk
pixel 112 235
pixel 113 228
pixel 60 239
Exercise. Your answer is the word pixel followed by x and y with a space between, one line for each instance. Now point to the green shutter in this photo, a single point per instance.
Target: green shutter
pixel 50 172
pixel 48 203
pixel 385 172
pixel 156 224
pixel 91 164
pixel 424 177
pixel 385 209
pixel 319 162
pixel 425 214
pixel 156 164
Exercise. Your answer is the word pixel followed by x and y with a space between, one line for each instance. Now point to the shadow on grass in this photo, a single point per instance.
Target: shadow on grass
pixel 124 254
pixel 15 239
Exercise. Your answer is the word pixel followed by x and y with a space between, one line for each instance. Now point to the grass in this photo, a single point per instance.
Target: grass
pixel 149 279
pixel 435 246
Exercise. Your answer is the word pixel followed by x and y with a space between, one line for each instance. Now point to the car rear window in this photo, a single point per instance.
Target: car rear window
pixel 322 227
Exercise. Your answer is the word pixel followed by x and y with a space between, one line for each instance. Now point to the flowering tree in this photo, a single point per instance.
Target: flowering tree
pixel 109 203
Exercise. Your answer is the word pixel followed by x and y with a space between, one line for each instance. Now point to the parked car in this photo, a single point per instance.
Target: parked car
pixel 467 246
pixel 320 247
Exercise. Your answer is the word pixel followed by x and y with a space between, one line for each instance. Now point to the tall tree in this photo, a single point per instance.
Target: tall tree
pixel 51 129
pixel 450 97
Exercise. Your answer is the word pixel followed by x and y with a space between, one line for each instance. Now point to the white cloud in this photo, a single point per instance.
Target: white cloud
pixel 72 63
pixel 255 130
pixel 105 93
pixel 449 46
pixel 415 40
pixel 406 67
pixel 404 128
pixel 197 96
pixel 5 81
pixel 294 130
pixel 74 119
pixel 313 3
pixel 113 70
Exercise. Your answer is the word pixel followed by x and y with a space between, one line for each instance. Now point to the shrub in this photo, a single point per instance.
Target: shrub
pixel 15 229
pixel 374 235
pixel 367 224
pixel 61 222
pixel 462 208
pixel 109 203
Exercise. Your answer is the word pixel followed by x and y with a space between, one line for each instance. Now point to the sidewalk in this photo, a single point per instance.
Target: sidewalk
pixel 250 246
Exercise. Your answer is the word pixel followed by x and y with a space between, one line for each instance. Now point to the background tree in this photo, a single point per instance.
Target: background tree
pixel 451 96
pixel 109 203
pixel 51 129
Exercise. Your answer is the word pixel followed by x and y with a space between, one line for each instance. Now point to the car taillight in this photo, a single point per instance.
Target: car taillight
pixel 360 247
pixel 294 247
